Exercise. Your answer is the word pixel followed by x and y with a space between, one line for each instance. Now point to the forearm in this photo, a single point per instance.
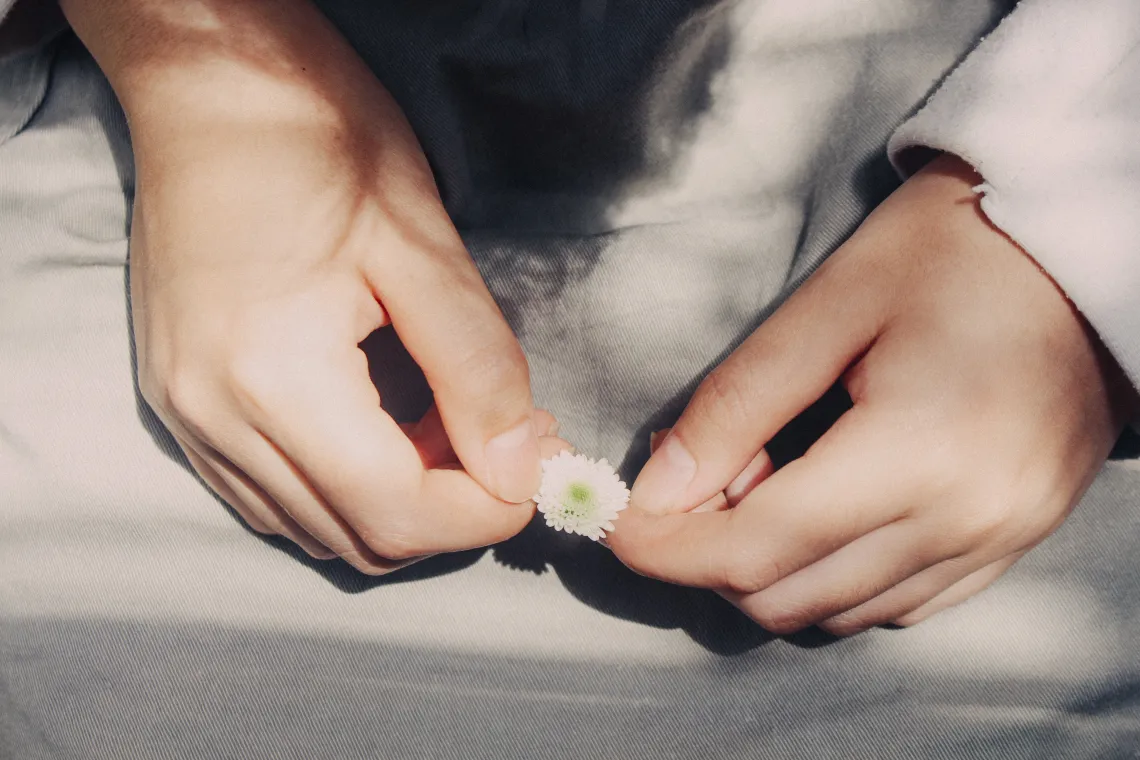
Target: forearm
pixel 212 48
pixel 180 65
pixel 184 69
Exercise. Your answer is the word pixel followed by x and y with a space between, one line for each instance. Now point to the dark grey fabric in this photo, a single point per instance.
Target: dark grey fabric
pixel 139 619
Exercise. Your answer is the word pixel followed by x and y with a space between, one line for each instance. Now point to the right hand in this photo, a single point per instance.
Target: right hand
pixel 280 218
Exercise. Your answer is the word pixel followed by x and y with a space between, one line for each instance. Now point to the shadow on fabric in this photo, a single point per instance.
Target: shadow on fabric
pixel 500 94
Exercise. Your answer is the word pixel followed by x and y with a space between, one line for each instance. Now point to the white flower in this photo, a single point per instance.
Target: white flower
pixel 580 495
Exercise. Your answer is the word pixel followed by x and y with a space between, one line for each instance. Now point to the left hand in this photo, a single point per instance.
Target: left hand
pixel 983 408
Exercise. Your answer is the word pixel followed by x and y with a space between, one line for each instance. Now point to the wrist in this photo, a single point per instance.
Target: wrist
pixel 178 65
pixel 207 79
pixel 1072 324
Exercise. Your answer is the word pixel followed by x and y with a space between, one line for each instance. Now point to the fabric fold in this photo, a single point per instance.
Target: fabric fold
pixel 23 84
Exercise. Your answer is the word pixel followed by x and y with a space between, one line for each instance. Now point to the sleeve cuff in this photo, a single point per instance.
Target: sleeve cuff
pixel 1047 110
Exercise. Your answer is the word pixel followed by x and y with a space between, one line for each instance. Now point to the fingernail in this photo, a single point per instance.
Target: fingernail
pixel 514 470
pixel 550 428
pixel 665 477
pixel 757 470
pixel 319 551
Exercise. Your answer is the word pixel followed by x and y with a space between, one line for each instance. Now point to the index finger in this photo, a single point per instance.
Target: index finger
pixel 329 423
pixel 453 328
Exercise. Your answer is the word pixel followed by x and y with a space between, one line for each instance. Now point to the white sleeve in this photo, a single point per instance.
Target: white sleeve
pixel 1047 109
pixel 5 6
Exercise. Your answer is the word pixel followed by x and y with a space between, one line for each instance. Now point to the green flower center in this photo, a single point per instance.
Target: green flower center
pixel 578 501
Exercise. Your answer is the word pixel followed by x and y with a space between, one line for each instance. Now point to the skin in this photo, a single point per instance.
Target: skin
pixel 285 211
pixel 983 407
pixel 266 247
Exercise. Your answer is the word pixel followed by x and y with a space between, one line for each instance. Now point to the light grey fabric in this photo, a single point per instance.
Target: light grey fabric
pixel 139 618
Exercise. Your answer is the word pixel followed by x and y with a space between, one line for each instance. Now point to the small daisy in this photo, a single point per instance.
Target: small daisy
pixel 580 495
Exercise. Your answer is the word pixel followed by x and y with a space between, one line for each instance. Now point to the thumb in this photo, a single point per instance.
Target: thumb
pixel 452 327
pixel 780 370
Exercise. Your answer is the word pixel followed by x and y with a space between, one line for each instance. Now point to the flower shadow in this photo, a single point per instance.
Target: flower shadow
pixel 586 569
pixel 592 574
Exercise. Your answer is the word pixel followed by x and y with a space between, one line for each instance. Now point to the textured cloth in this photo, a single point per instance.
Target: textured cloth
pixel 1048 111
pixel 638 188
pixel 23 82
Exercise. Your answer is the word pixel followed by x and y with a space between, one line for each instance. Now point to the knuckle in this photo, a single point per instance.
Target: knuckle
pixel 494 365
pixel 250 380
pixel 986 521
pixel 252 520
pixel 965 517
pixel 911 618
pixel 1039 521
pixel 975 501
pixel 1044 502
pixel 746 572
pixel 186 396
pixel 366 564
pixel 778 617
pixel 151 388
pixel 845 626
pixel 723 395
pixel 392 542
pixel 937 469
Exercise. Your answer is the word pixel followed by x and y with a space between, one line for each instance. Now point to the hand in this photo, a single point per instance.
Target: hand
pixel 983 408
pixel 285 211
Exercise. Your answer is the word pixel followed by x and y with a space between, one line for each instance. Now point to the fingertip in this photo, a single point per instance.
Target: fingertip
pixel 513 464
pixel 545 423
pixel 687 549
pixel 255 524
pixel 716 503
pixel 914 617
pixel 633 542
pixel 757 471
pixel 661 485
pixel 630 532
pixel 318 554
pixel 843 625
pixel 454 512
pixel 549 446
pixel 509 520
